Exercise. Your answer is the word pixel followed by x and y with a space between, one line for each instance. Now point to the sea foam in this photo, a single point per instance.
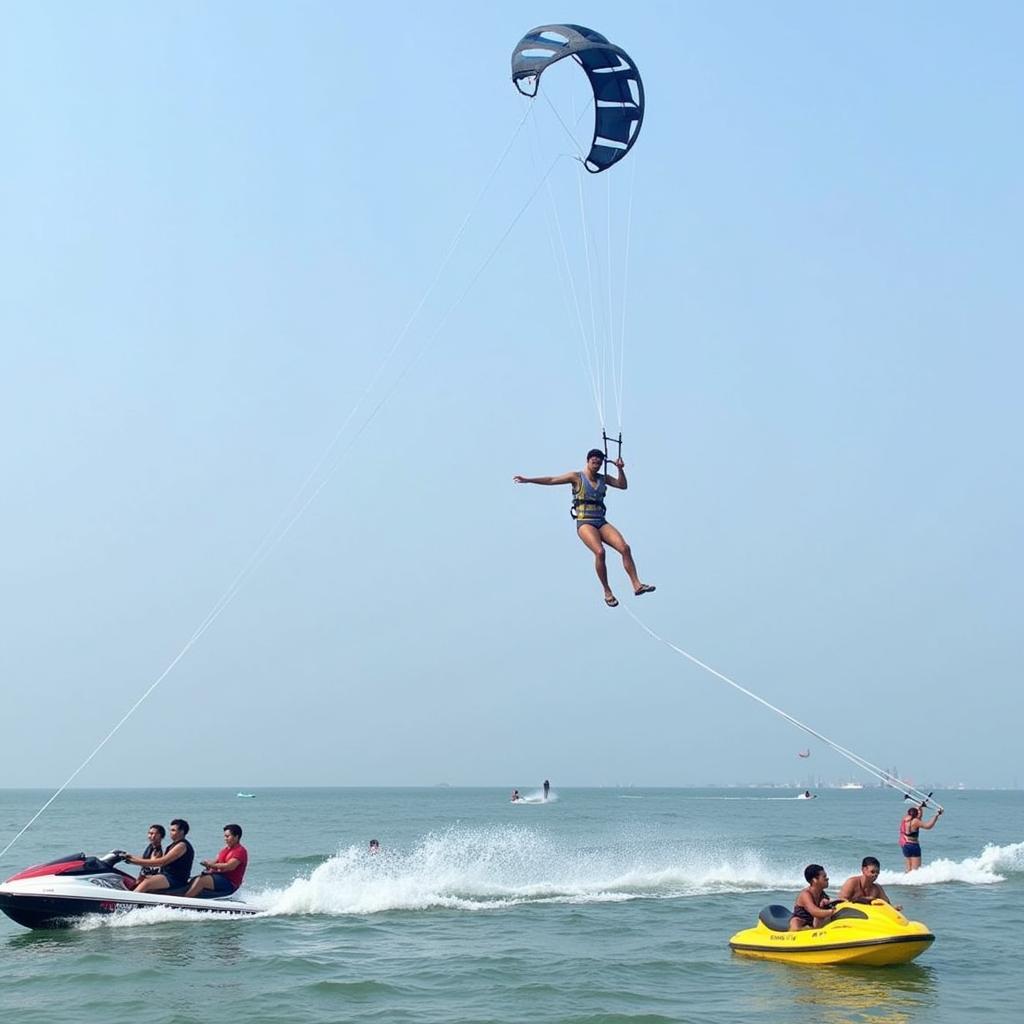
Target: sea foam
pixel 493 868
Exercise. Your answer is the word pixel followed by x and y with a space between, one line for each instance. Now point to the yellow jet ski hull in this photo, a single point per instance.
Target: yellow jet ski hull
pixel 873 935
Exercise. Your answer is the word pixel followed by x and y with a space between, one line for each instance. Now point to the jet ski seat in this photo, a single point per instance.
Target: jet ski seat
pixel 174 890
pixel 206 894
pixel 775 917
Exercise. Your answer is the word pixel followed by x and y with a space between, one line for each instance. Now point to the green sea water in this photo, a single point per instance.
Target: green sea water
pixel 601 905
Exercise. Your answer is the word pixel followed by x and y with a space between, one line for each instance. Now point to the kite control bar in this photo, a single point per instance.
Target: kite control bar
pixel 612 440
pixel 924 803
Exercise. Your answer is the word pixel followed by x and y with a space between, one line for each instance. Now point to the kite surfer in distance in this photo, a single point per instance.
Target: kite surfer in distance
pixel 588 491
pixel 547 788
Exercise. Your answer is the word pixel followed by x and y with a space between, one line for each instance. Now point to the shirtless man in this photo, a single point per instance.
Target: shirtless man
pixel 864 888
pixel 588 490
pixel 813 908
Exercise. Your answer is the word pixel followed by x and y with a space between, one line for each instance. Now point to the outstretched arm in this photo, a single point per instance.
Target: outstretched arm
pixel 932 823
pixel 547 481
pixel 620 480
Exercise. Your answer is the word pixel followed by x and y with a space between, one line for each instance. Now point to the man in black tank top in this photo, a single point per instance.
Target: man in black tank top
pixel 174 867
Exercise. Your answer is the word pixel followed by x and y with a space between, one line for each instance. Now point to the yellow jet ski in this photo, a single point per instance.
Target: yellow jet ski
pixel 872 934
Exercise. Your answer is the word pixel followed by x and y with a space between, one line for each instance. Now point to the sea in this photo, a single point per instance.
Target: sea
pixel 597 906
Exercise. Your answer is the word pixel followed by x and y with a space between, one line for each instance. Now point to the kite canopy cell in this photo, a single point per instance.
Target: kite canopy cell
pixel 618 91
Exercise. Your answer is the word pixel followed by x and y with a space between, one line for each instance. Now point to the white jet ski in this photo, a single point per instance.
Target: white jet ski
pixel 55 894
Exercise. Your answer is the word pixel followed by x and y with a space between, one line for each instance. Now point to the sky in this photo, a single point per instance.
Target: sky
pixel 219 220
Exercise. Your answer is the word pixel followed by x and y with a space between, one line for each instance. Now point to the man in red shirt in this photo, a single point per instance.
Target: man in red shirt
pixel 223 875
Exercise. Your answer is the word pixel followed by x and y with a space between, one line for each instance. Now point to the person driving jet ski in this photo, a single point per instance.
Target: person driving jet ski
pixel 813 908
pixel 154 848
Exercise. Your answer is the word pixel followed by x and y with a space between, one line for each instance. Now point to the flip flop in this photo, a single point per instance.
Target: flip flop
pixel 645 588
pixel 612 602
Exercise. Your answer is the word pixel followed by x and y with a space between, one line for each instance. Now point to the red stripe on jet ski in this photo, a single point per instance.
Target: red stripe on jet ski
pixel 46 869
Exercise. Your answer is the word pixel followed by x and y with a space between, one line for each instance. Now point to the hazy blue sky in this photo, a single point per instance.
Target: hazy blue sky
pixel 216 219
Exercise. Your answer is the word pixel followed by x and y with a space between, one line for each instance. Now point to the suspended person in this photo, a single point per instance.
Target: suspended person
pixel 588 487
pixel 912 823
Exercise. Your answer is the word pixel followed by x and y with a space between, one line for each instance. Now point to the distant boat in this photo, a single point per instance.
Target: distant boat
pixel 851 785
pixel 247 796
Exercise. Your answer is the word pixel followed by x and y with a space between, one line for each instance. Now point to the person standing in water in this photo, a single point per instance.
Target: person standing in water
pixel 547 788
pixel 588 489
pixel 912 823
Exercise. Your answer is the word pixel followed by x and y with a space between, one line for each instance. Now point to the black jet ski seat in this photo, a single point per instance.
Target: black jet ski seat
pixel 775 917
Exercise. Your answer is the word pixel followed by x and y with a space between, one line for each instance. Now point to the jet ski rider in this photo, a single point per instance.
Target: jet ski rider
pixel 224 875
pixel 154 849
pixel 864 888
pixel 813 908
pixel 175 866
